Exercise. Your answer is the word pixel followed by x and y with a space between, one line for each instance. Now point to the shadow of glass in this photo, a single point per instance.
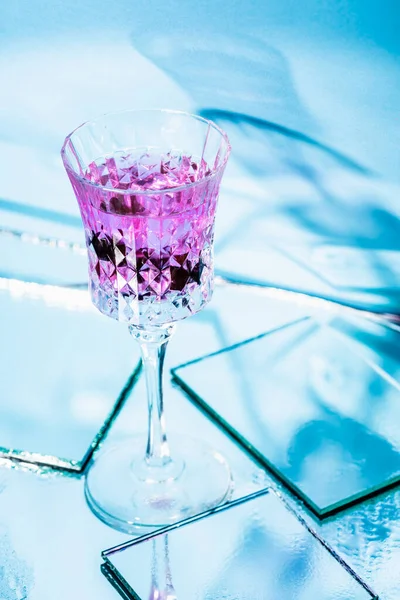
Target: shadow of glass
pixel 299 214
pixel 232 71
pixel 315 207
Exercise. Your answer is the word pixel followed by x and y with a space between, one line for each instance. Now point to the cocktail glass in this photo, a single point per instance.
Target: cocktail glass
pixel 147 185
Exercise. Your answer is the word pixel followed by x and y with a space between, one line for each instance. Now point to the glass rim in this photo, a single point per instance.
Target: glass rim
pixel 147 192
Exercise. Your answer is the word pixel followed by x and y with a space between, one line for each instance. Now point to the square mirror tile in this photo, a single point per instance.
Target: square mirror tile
pixel 252 549
pixel 65 371
pixel 317 402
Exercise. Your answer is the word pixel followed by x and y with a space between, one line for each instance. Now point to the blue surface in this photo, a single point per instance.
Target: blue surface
pixel 309 92
pixel 317 400
pixel 45 520
pixel 254 550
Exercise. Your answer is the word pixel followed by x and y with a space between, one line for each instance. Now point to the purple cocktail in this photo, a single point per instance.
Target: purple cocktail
pixel 150 251
pixel 147 184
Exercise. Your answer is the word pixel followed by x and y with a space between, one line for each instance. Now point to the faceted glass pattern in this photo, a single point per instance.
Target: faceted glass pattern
pixel 253 550
pixel 148 211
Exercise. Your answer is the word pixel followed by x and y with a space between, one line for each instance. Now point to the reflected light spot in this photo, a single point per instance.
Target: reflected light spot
pixel 51 295
pixel 89 406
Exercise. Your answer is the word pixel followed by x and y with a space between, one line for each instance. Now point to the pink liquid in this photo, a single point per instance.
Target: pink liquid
pixel 150 255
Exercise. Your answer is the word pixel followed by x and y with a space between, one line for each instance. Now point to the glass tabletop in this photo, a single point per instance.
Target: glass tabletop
pixel 310 100
pixel 316 401
pixel 35 504
pixel 50 541
pixel 252 549
pixel 39 258
pixel 59 395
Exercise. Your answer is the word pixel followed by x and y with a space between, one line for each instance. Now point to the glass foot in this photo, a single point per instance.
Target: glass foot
pixel 127 495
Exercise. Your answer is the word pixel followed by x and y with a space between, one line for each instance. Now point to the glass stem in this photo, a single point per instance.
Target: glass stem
pixel 153 344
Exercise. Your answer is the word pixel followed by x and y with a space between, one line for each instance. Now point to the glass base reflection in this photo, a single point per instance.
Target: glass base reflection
pixel 252 548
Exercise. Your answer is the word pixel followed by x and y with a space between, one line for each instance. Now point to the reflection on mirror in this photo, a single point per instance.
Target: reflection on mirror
pixel 316 401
